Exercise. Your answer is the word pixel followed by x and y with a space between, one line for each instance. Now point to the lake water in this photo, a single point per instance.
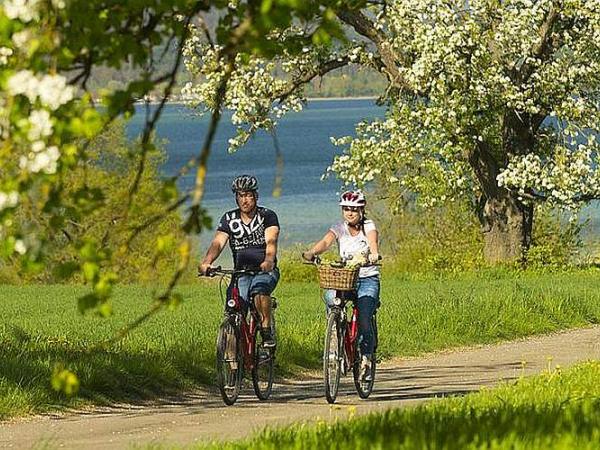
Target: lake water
pixel 307 205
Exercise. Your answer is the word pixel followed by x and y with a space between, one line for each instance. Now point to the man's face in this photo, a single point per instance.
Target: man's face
pixel 246 200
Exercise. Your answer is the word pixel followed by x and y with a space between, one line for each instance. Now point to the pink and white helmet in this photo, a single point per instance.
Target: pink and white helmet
pixel 353 198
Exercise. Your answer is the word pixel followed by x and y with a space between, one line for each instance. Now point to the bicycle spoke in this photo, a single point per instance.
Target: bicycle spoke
pixel 229 363
pixel 262 373
pixel 333 353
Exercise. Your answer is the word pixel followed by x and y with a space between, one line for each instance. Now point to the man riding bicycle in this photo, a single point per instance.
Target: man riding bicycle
pixel 356 235
pixel 252 232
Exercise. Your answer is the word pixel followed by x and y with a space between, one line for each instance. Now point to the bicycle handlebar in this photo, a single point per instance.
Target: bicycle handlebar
pixel 214 271
pixel 316 261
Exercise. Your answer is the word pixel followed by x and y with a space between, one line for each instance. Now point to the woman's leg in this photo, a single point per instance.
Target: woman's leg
pixel 367 302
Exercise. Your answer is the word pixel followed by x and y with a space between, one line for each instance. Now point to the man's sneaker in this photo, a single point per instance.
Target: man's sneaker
pixel 268 339
pixel 365 369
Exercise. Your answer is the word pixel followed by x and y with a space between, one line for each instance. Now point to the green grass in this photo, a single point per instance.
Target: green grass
pixel 551 411
pixel 174 351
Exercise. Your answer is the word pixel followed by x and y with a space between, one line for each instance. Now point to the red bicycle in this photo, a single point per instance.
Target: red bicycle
pixel 342 350
pixel 240 344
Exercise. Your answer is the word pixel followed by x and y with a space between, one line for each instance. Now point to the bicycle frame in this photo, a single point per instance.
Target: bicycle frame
pixel 247 328
pixel 351 330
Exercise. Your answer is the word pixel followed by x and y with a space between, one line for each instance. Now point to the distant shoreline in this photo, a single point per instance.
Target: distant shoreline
pixel 366 97
pixel 310 99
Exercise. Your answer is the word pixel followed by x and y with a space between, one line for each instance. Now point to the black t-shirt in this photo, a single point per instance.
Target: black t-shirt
pixel 247 242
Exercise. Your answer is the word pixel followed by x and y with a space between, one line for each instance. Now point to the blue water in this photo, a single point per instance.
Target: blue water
pixel 307 205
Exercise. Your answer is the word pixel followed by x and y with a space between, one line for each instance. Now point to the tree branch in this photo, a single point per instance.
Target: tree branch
pixel 363 26
pixel 318 71
pixel 542 49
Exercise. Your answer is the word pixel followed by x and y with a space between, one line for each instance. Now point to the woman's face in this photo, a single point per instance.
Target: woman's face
pixel 351 214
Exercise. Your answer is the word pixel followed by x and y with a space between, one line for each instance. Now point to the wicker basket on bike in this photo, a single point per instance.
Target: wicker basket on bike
pixel 338 278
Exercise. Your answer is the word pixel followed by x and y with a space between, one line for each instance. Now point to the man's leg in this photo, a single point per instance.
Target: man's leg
pixel 263 306
pixel 262 286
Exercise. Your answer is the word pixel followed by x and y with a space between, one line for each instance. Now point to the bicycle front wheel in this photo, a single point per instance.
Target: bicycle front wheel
pixel 364 381
pixel 230 362
pixel 262 372
pixel 332 355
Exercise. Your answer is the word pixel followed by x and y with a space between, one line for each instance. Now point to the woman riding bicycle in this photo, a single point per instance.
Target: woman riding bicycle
pixel 356 236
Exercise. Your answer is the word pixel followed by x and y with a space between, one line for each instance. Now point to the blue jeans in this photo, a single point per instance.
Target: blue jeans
pixel 366 299
pixel 261 283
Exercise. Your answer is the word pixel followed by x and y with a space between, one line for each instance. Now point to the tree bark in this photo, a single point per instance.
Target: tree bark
pixel 507 226
pixel 506 222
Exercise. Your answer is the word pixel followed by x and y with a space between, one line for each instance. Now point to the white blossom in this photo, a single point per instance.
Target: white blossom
pixel 25 83
pixel 8 199
pixel 40 125
pixel 45 161
pixel 54 92
pixel 5 52
pixel 20 247
pixel 21 39
pixel 24 10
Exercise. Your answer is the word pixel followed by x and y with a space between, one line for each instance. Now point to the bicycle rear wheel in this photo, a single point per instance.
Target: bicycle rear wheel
pixel 332 355
pixel 264 359
pixel 365 387
pixel 230 362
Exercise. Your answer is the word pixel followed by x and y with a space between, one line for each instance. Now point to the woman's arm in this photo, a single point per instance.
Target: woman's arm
pixel 321 246
pixel 373 240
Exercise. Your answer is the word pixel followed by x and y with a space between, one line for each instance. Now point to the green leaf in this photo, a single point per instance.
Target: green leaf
pixel 64 381
pixel 103 288
pixel 266 6
pixel 168 191
pixel 105 309
pixel 87 302
pixel 174 301
pixel 66 270
pixel 90 270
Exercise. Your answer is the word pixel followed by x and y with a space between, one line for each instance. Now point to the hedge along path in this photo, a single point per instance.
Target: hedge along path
pixel 400 383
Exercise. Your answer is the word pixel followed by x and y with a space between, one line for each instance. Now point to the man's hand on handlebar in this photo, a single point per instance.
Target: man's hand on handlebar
pixel 203 269
pixel 267 265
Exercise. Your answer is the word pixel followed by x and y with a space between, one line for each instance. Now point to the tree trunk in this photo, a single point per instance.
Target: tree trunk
pixel 506 222
pixel 507 226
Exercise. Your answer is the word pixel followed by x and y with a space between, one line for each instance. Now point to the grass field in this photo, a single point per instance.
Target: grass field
pixel 40 327
pixel 551 411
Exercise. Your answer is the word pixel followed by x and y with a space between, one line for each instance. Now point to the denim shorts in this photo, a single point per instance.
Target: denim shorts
pixel 367 287
pixel 261 283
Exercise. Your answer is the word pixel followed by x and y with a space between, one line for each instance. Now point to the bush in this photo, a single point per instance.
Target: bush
pixel 112 164
pixel 448 239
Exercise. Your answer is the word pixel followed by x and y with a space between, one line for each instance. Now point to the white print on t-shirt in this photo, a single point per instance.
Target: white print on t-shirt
pixel 349 245
pixel 239 228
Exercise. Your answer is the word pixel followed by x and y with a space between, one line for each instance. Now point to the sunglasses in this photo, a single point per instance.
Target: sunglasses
pixel 350 208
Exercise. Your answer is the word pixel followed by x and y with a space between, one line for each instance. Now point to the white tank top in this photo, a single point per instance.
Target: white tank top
pixel 349 245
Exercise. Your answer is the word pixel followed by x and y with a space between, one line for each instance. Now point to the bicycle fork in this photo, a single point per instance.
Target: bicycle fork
pixel 350 337
pixel 246 331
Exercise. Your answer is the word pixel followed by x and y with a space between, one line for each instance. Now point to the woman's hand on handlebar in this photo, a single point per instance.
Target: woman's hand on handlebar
pixel 308 256
pixel 374 258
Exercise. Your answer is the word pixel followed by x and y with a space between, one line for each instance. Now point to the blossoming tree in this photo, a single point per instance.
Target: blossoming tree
pixel 492 100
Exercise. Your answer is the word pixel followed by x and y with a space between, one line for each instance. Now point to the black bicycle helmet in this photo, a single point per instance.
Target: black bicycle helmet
pixel 244 183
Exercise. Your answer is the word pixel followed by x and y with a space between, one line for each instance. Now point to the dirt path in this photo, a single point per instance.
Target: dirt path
pixel 202 416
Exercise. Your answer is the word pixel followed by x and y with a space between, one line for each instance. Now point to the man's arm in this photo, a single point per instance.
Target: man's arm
pixel 214 250
pixel 271 237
